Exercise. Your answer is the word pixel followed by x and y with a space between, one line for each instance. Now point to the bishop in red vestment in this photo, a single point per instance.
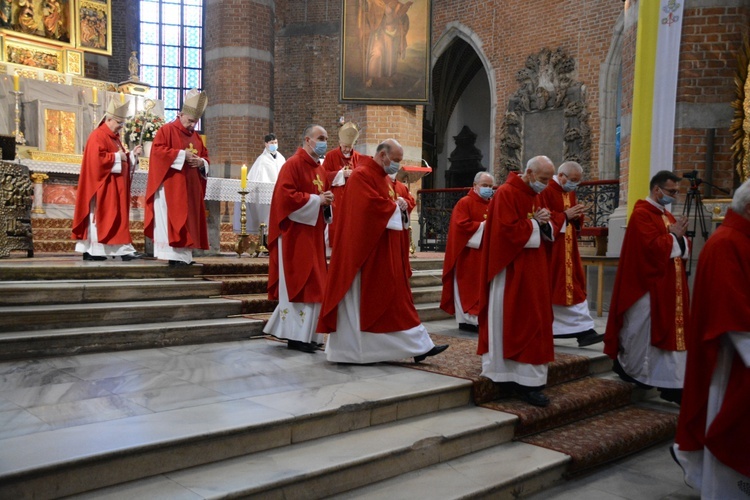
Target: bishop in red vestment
pixel 713 437
pixel 463 254
pixel 101 222
pixel 648 314
pixel 297 260
pixel 515 321
pixel 569 303
pixel 178 168
pixel 368 307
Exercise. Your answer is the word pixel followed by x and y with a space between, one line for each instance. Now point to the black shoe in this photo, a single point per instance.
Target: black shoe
pixel 620 371
pixel 133 256
pixel 468 327
pixel 533 397
pixel 589 337
pixel 298 345
pixel 88 256
pixel 671 395
pixel 432 352
pixel 179 263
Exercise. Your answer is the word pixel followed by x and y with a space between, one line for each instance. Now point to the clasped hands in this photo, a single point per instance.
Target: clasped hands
pixel 326 198
pixel 575 211
pixel 402 204
pixel 542 216
pixel 679 228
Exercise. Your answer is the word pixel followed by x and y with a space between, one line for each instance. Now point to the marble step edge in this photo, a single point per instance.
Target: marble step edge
pixel 98 271
pixel 320 468
pixel 508 471
pixel 430 311
pixel 72 341
pixel 103 454
pixel 42 317
pixel 426 264
pixel 87 291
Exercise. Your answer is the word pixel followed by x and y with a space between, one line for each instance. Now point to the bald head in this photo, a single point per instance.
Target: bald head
pixel 387 152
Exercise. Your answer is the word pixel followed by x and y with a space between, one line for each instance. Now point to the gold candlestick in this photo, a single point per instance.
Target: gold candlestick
pixel 17 132
pixel 262 239
pixel 243 239
pixel 94 114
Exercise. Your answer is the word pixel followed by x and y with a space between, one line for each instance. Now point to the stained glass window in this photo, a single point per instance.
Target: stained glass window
pixel 171 50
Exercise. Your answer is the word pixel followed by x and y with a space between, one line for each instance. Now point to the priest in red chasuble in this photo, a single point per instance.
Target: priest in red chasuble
pixel 515 320
pixel 648 314
pixel 339 164
pixel 297 259
pixel 101 223
pixel 463 254
pixel 178 168
pixel 569 303
pixel 368 307
pixel 402 191
pixel 713 437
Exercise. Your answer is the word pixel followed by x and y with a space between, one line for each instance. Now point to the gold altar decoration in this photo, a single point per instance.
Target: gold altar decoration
pixel 59 131
pixel 47 21
pixel 244 243
pixel 718 208
pixel 36 55
pixel 740 127
pixel 94 26
pixel 54 157
pixel 74 62
pixel 16 193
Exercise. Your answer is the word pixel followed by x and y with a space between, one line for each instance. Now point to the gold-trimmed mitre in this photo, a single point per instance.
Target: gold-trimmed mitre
pixel 195 103
pixel 348 134
pixel 116 110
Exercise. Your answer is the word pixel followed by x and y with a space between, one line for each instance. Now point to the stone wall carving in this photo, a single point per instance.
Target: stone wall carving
pixel 16 195
pixel 547 82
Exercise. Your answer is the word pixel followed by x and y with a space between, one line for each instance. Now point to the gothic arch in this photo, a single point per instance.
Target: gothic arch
pixel 609 103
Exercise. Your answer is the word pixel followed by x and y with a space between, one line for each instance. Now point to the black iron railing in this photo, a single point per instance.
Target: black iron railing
pixel 436 206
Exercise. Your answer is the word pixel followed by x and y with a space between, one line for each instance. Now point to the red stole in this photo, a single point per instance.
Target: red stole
pixel 363 244
pixel 645 267
pixel 527 306
pixel 112 191
pixel 721 303
pixel 184 189
pixel 303 245
pixel 462 262
pixel 566 271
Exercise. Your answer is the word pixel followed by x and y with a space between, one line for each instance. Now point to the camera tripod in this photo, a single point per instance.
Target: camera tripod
pixel 694 201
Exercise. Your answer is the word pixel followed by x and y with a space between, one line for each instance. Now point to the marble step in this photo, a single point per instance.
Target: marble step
pixel 86 291
pixel 431 312
pixel 42 317
pixel 70 341
pixel 510 471
pixel 66 269
pixel 426 294
pixel 426 264
pixel 275 432
pixel 426 277
pixel 320 468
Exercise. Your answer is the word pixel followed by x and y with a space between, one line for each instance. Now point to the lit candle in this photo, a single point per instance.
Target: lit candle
pixel 16 83
pixel 243 177
pixel 95 94
pixel 122 98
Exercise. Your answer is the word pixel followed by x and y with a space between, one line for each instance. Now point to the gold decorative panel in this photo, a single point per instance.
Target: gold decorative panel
pixel 59 131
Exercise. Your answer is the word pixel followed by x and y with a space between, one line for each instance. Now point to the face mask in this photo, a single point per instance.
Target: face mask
pixel 665 200
pixel 485 192
pixel 273 147
pixel 570 186
pixel 320 148
pixel 392 168
pixel 537 186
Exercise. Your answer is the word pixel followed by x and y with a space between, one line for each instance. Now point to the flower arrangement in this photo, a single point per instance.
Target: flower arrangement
pixel 145 123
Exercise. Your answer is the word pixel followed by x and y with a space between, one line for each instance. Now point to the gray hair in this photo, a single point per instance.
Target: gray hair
pixel 741 197
pixel 478 177
pixel 568 167
pixel 536 162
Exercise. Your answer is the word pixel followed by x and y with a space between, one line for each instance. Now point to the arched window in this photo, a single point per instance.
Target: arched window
pixel 171 50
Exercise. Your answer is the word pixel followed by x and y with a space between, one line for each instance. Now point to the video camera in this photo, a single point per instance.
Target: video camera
pixel 695 181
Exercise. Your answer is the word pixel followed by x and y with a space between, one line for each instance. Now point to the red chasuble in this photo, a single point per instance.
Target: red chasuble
pixel 335 161
pixel 721 303
pixel 400 189
pixel 112 191
pixel 364 244
pixel 184 189
pixel 527 306
pixel 303 246
pixel 645 267
pixel 462 262
pixel 566 271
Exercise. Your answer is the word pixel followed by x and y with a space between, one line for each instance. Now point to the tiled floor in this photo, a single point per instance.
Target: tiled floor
pixel 64 392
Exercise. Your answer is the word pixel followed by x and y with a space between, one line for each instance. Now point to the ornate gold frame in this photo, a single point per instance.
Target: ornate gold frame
pixel 38 9
pixel 102 8
pixel 18 52
pixel 740 127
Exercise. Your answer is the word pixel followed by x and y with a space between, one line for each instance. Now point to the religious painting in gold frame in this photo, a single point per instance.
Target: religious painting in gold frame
pixel 59 131
pixel 33 54
pixel 49 21
pixel 385 51
pixel 94 25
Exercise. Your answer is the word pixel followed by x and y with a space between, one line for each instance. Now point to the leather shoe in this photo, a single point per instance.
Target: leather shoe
pixel 179 263
pixel 133 256
pixel 620 371
pixel 432 352
pixel 589 337
pixel 468 327
pixel 671 395
pixel 88 256
pixel 533 397
pixel 298 345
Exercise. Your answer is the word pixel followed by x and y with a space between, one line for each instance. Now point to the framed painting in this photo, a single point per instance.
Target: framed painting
pixel 33 54
pixel 49 21
pixel 385 51
pixel 94 26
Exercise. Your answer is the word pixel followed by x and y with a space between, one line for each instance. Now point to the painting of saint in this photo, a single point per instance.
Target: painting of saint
pixel 94 28
pixel 48 19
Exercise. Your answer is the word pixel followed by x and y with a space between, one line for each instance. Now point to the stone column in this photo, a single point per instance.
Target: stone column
pixel 38 179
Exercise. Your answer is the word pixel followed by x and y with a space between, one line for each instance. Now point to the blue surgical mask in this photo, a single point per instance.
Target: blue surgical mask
pixel 485 192
pixel 538 186
pixel 392 168
pixel 570 186
pixel 321 147
pixel 665 200
pixel 273 147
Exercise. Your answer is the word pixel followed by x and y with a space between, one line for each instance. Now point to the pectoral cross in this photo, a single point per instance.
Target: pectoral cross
pixel 391 193
pixel 191 149
pixel 318 183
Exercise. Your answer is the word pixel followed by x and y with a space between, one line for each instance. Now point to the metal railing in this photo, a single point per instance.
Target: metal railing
pixel 436 206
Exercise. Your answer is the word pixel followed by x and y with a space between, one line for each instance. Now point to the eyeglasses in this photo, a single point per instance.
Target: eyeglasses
pixel 670 192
